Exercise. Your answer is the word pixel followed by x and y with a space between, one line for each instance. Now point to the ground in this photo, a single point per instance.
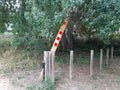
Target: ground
pixel 27 79
pixel 18 72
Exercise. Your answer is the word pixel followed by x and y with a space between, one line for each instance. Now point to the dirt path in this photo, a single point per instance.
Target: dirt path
pixel 109 79
pixel 23 80
pixel 28 80
pixel 5 83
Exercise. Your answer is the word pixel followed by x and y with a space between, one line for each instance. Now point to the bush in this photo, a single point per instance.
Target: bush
pixel 33 46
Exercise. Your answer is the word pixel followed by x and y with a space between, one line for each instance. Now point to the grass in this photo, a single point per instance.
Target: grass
pixel 22 76
pixel 81 61
pixel 59 60
pixel 77 60
pixel 33 87
pixel 105 67
pixel 101 76
pixel 94 77
pixel 11 60
pixel 14 61
pixel 48 85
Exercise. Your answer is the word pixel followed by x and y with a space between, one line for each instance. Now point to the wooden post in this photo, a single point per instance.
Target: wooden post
pixel 101 59
pixel 112 52
pixel 52 63
pixel 49 65
pixel 45 60
pixel 91 62
pixel 107 56
pixel 71 65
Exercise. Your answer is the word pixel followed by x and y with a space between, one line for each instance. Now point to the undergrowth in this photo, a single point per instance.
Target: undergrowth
pixel 12 60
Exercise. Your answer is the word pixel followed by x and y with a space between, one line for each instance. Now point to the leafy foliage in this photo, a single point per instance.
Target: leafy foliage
pixel 4 16
pixel 35 22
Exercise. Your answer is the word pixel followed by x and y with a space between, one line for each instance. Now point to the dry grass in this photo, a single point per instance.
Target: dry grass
pixel 11 61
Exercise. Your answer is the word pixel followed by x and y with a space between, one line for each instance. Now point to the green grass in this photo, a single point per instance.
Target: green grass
pixel 94 77
pixel 101 76
pixel 46 85
pixel 106 67
pixel 81 61
pixel 22 76
pixel 33 87
pixel 12 60
pixel 117 80
pixel 59 60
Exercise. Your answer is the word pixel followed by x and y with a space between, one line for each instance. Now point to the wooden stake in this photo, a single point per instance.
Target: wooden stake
pixel 71 65
pixel 53 74
pixel 107 56
pixel 46 66
pixel 101 59
pixel 91 63
pixel 112 52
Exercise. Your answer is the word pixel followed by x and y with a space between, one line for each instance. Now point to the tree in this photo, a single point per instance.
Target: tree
pixel 36 22
pixel 98 19
pixel 4 15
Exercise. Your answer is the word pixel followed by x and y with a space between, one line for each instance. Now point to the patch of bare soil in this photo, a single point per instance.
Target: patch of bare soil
pixel 24 80
pixel 108 79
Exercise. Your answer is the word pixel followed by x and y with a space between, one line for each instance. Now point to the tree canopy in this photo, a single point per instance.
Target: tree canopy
pixel 35 21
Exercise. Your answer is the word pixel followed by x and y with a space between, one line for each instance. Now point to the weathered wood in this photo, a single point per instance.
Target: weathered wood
pixel 49 65
pixel 91 62
pixel 71 65
pixel 53 74
pixel 107 56
pixel 101 59
pixel 45 60
pixel 112 50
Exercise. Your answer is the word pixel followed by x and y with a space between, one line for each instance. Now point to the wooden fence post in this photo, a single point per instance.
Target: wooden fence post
pixel 112 52
pixel 71 65
pixel 107 56
pixel 91 62
pixel 52 67
pixel 101 59
pixel 45 60
pixel 49 65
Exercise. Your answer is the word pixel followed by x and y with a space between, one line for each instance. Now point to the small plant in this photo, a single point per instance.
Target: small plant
pixel 34 87
pixel 105 67
pixel 82 61
pixel 48 84
pixel 59 61
pixel 101 76
pixel 94 77
pixel 23 76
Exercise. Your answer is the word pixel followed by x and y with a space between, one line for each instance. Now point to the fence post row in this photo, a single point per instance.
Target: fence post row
pixel 49 65
pixel 49 57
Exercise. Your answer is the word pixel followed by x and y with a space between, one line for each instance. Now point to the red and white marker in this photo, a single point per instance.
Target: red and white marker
pixel 59 36
pixel 60 32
